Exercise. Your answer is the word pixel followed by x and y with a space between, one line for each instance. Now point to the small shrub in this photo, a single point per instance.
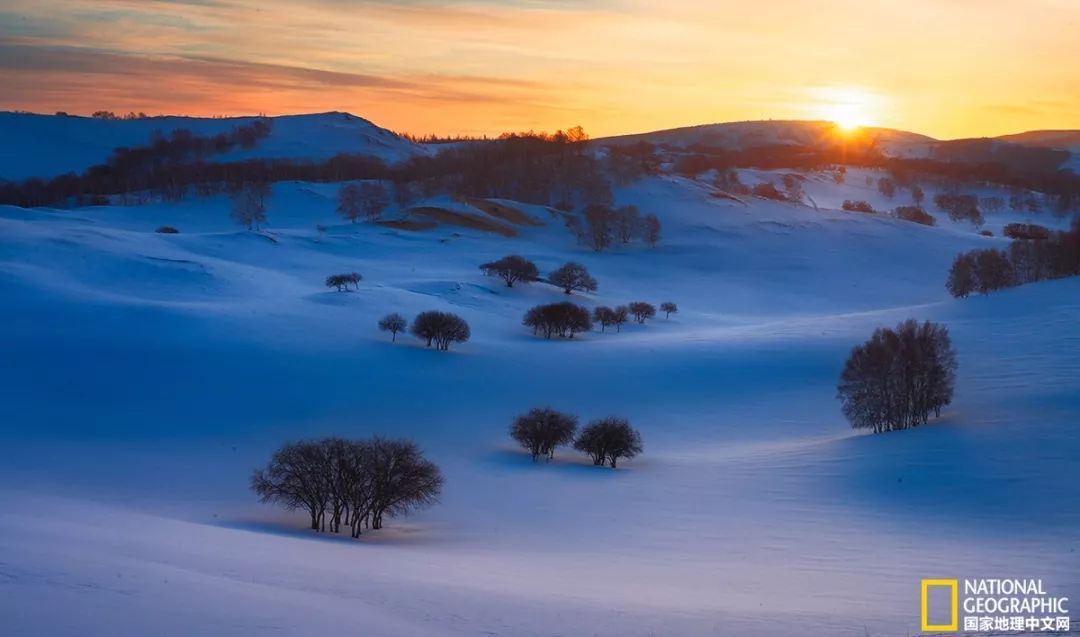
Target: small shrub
pixel 915 214
pixel 167 230
pixel 1032 231
pixel 857 206
pixel 986 233
pixel 768 190
pixel 343 281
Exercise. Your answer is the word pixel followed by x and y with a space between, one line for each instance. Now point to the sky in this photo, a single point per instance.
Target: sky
pixel 946 68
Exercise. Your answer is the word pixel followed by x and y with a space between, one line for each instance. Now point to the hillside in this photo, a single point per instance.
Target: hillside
pixel 48 145
pixel 1036 148
pixel 147 375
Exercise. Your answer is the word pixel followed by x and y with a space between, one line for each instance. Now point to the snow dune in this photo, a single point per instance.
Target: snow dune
pixel 147 374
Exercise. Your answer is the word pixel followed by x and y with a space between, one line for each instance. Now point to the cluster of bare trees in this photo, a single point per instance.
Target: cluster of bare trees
pixel 1026 261
pixel 367 199
pixel 887 187
pixel 357 483
pixel 960 207
pixel 611 316
pixel 440 329
pixel 558 319
pixel 640 310
pixel 857 206
pixel 571 277
pixel 899 377
pixel 1031 231
pixel 343 281
pixel 567 319
pixel 606 441
pixel 600 226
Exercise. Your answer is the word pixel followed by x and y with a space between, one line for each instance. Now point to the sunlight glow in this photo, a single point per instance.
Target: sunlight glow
pixel 850 108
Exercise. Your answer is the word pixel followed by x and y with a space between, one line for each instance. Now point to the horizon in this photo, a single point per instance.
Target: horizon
pixel 120 116
pixel 614 67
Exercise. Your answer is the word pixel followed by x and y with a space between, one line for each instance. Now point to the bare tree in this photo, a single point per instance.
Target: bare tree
pixel 440 328
pixel 603 315
pixel 962 281
pixel 373 199
pixel 669 308
pixel 626 221
pixel 348 202
pixel 917 195
pixel 393 323
pixel 608 440
pixel 400 479
pixel 573 276
pixel 621 314
pixel 599 226
pixel 642 311
pixel 992 270
pixel 541 430
pixel 887 187
pixel 650 230
pixel 296 477
pixel 512 269
pixel 249 204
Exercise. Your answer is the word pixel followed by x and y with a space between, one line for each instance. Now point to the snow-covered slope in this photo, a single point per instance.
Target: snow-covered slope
pixel 49 145
pixel 145 376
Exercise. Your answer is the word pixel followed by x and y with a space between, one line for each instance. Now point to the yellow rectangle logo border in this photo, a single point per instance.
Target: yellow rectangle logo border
pixel 955 616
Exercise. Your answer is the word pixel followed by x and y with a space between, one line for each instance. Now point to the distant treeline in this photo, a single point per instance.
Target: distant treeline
pixel 969 163
pixel 560 169
pixel 166 164
pixel 533 168
pixel 1038 255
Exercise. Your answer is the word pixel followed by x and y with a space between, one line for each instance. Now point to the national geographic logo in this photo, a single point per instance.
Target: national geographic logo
pixel 982 605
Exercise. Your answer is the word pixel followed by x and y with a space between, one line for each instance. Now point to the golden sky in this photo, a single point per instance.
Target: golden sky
pixel 947 68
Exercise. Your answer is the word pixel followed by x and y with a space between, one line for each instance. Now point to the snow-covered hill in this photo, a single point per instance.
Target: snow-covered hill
pixel 890 142
pixel 147 374
pixel 739 135
pixel 49 145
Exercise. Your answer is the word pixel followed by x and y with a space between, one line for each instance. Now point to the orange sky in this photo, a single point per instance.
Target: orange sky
pixel 947 68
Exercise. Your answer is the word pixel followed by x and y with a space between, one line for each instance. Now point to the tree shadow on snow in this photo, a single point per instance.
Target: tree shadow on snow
pixel 566 462
pixel 393 534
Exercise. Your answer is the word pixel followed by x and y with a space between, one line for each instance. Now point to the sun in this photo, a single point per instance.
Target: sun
pixel 850 108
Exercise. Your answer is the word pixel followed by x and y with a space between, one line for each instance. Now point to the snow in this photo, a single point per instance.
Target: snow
pixel 49 145
pixel 146 375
